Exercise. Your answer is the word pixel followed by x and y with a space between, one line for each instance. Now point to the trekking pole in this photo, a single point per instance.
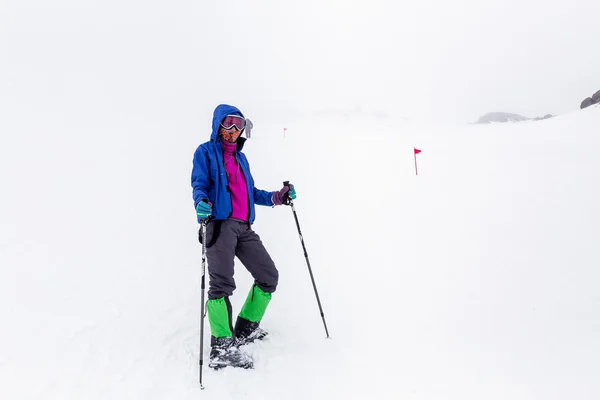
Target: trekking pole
pixel 288 201
pixel 201 362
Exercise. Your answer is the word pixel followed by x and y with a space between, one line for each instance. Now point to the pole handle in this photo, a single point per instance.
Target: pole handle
pixel 286 197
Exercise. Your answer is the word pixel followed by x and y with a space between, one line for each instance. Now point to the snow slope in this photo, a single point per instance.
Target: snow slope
pixel 475 279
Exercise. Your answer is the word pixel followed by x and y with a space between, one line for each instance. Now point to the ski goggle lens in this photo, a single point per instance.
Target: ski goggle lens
pixel 231 120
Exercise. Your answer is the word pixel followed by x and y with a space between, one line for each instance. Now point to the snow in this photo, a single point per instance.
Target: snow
pixel 475 279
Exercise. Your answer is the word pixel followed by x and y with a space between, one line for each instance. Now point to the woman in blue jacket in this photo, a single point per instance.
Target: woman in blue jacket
pixel 225 195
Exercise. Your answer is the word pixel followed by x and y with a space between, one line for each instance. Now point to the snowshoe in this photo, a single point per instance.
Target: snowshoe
pixel 225 353
pixel 247 332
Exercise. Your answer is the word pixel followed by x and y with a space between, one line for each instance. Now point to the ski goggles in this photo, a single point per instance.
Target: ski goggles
pixel 233 120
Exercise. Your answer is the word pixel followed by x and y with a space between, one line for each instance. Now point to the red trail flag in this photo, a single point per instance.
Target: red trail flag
pixel 416 151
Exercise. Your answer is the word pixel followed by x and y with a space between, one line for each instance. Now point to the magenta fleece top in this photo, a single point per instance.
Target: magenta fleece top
pixel 237 182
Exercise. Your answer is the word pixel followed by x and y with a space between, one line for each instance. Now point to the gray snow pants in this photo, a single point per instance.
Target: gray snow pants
pixel 236 238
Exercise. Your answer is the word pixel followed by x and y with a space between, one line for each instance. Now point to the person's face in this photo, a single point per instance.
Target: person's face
pixel 230 135
pixel 232 127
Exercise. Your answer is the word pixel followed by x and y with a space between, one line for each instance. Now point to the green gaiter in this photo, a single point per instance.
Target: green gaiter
pixel 219 317
pixel 255 305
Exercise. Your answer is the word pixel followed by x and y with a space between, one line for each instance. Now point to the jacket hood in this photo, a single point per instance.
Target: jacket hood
pixel 221 111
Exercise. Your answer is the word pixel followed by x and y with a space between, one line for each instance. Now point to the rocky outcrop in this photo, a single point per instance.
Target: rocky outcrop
pixel 495 117
pixel 595 99
pixel 544 117
pixel 587 102
pixel 498 117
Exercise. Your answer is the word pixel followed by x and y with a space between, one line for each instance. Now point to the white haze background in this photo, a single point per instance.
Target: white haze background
pixel 427 60
pixel 476 279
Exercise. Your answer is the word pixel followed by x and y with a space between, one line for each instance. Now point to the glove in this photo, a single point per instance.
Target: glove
pixel 291 193
pixel 283 195
pixel 203 209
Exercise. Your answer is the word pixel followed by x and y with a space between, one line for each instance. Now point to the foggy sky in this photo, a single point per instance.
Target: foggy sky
pixel 436 60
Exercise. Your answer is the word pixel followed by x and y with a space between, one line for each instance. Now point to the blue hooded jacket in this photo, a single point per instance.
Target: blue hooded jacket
pixel 209 179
